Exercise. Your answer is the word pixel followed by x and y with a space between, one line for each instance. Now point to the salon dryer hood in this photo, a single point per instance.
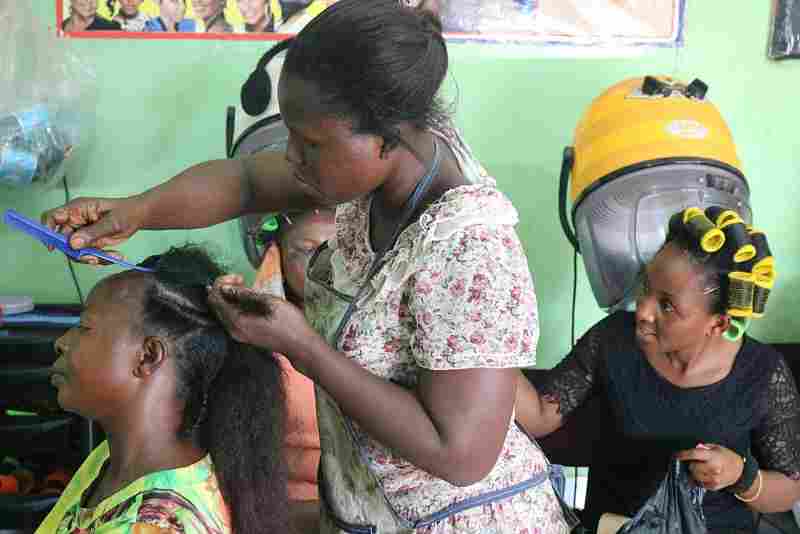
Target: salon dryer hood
pixel 644 149
pixel 265 134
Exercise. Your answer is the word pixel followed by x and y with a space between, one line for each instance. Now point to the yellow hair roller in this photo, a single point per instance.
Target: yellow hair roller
pixel 761 291
pixel 726 218
pixel 740 294
pixel 710 237
pixel 737 239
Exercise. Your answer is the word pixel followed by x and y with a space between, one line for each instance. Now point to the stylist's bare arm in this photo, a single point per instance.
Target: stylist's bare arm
pixel 203 195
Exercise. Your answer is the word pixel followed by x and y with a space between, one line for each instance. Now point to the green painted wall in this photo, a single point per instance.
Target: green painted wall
pixel 160 107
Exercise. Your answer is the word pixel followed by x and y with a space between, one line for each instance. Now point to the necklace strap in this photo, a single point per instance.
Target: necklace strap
pixel 412 202
pixel 409 207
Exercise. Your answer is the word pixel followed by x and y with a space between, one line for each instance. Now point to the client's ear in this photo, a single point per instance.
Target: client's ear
pixel 151 356
pixel 722 322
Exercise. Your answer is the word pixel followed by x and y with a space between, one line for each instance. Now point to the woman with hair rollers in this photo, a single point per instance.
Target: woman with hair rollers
pixel 194 418
pixel 680 378
pixel 418 314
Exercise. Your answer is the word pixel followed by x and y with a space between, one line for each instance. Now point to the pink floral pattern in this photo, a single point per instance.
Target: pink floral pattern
pixel 474 303
pixel 531 512
pixel 455 293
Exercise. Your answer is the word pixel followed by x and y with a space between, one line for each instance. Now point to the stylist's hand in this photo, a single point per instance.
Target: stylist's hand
pixel 95 222
pixel 713 466
pixel 260 319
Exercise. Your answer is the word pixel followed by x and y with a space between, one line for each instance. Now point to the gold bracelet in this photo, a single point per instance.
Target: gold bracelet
pixel 758 491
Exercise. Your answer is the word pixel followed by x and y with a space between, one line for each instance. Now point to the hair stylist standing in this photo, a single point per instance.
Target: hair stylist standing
pixel 421 309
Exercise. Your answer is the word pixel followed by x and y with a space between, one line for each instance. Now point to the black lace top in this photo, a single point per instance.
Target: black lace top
pixel 756 406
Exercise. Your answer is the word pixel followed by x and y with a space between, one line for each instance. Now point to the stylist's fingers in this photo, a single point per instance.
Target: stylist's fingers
pixel 93 234
pixel 248 300
pixel 102 243
pixel 226 312
pixel 75 214
pixel 94 260
pixel 55 217
pixel 233 280
pixel 105 242
pixel 241 310
pixel 57 220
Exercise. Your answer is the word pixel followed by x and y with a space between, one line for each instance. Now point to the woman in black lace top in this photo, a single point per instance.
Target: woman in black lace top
pixel 678 379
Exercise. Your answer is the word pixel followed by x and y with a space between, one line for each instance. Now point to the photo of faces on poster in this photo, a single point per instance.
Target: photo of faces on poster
pixel 543 22
pixel 188 16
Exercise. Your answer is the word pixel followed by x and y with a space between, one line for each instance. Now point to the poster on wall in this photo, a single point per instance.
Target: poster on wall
pixel 185 19
pixel 540 22
pixel 785 34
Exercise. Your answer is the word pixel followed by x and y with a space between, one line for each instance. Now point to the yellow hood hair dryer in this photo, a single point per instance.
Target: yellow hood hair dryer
pixel 644 149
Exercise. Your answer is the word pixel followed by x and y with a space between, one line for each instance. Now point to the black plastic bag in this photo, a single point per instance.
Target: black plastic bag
pixel 676 508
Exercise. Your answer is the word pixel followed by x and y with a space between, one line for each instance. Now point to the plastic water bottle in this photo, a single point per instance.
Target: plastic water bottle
pixel 24 124
pixel 10 127
pixel 29 147
pixel 526 7
pixel 17 165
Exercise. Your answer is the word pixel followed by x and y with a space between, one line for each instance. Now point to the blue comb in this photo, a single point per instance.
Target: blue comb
pixel 61 242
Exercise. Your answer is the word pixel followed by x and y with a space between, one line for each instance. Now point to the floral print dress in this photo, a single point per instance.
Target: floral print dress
pixel 455 293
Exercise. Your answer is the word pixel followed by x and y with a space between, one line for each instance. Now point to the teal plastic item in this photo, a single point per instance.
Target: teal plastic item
pixel 270 225
pixel 737 329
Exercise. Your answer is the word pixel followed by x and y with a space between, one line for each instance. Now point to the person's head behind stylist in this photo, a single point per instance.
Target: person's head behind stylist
pixel 358 81
pixel 151 361
pixel 298 241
